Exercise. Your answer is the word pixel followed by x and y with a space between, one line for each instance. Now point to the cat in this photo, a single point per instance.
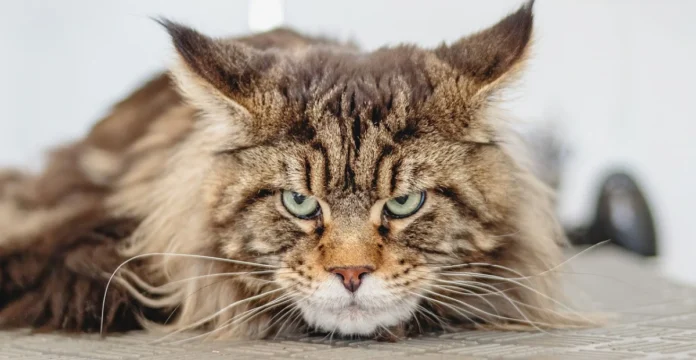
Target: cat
pixel 281 183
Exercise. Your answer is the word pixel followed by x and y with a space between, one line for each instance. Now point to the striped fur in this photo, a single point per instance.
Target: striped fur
pixel 199 168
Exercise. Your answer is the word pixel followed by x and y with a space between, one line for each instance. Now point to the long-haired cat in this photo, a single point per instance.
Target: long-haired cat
pixel 279 183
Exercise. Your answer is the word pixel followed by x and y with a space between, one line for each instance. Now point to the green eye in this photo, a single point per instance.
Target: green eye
pixel 404 206
pixel 304 207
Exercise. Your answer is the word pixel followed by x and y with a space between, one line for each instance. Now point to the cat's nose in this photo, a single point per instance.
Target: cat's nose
pixel 351 275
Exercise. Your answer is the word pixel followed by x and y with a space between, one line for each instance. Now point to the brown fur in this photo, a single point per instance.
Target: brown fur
pixel 271 112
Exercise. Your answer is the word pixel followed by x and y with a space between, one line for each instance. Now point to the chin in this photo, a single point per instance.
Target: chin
pixel 332 309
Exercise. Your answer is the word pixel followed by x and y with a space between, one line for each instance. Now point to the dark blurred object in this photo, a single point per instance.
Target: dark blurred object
pixel 622 216
pixel 622 213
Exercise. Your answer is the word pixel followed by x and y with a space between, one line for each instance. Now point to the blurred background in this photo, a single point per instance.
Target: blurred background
pixel 608 89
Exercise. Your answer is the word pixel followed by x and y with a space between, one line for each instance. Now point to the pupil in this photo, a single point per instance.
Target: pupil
pixel 298 198
pixel 401 199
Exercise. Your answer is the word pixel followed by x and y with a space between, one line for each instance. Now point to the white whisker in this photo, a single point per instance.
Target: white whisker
pixel 297 318
pixel 498 316
pixel 475 285
pixel 436 317
pixel 153 303
pixel 287 315
pixel 108 283
pixel 495 277
pixel 226 308
pixel 414 314
pixel 295 310
pixel 474 308
pixel 161 289
pixel 457 310
pixel 387 330
pixel 505 235
pixel 439 268
pixel 523 277
pixel 504 279
pixel 254 312
pixel 468 292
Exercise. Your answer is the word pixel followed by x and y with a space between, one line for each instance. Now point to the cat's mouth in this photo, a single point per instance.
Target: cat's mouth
pixel 331 308
pixel 353 311
pixel 355 319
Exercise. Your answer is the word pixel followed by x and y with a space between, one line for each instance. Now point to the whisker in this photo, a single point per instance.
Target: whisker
pixel 511 300
pixel 459 311
pixel 153 303
pixel 505 235
pixel 254 312
pixel 522 277
pixel 387 330
pixel 295 310
pixel 468 292
pixel 160 289
pixel 278 317
pixel 473 283
pixel 446 267
pixel 495 277
pixel 497 315
pixel 436 317
pixel 298 318
pixel 530 322
pixel 217 329
pixel 572 273
pixel 138 281
pixel 535 291
pixel 226 308
pixel 204 257
pixel 283 318
pixel 501 293
pixel 467 283
pixel 191 294
pixel 264 272
pixel 414 315
pixel 332 334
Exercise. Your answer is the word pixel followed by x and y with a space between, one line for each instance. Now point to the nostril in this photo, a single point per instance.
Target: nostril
pixel 351 276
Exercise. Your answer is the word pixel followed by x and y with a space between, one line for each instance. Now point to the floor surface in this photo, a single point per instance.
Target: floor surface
pixel 656 319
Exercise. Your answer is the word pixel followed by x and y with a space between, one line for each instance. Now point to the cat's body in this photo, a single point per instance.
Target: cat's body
pixel 271 123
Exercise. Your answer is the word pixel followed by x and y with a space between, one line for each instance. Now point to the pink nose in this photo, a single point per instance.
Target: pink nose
pixel 351 275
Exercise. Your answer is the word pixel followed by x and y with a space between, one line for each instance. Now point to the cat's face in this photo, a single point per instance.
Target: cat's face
pixel 358 214
pixel 359 174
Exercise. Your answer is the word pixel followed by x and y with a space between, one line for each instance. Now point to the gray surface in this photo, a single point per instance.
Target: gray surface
pixel 655 319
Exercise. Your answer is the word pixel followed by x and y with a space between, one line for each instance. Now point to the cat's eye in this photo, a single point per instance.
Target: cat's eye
pixel 404 206
pixel 302 206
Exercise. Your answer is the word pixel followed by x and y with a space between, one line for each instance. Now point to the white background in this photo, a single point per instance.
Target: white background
pixel 615 76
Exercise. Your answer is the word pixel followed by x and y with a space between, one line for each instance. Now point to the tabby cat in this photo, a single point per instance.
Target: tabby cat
pixel 278 183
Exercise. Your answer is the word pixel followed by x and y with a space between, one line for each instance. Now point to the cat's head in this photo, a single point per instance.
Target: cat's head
pixel 362 176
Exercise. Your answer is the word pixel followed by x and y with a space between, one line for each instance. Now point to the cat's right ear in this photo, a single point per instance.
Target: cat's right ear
pixel 215 74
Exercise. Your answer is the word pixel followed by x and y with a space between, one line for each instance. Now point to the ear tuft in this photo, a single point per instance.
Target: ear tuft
pixel 230 67
pixel 190 44
pixel 494 53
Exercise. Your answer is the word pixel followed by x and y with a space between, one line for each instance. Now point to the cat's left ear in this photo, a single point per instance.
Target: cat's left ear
pixel 492 56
